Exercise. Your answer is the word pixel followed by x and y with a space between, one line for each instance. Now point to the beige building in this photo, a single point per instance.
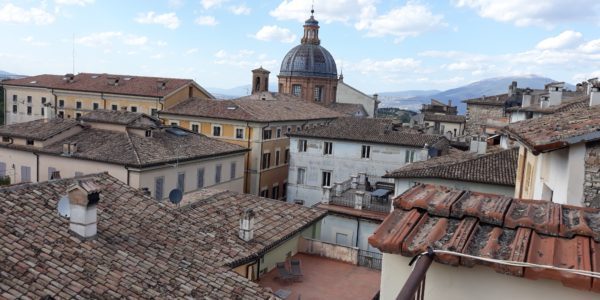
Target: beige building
pixel 71 96
pixel 132 147
pixel 348 96
pixel 259 122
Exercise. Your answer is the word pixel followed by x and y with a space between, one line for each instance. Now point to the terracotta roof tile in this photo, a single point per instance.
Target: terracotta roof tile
pixel 348 109
pixel 91 82
pixel 492 168
pixel 566 105
pixel 496 100
pixel 374 131
pixel 444 118
pixel 41 129
pixel 282 108
pixel 120 117
pixel 498 227
pixel 143 249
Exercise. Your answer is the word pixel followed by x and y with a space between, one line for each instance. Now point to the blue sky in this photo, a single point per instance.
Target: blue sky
pixel 380 45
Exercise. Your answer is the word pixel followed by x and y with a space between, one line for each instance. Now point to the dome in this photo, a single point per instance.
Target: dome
pixel 308 60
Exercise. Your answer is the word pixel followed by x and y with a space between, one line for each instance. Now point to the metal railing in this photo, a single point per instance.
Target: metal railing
pixel 414 287
pixel 374 204
pixel 369 259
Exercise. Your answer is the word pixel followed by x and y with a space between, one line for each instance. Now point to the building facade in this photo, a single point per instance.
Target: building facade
pixel 258 122
pixel 132 147
pixel 71 96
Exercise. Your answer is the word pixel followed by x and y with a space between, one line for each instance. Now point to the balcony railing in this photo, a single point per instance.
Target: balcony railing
pixel 353 193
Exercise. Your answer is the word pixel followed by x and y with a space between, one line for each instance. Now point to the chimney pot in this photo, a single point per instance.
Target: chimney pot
pixel 595 95
pixel 83 199
pixel 247 225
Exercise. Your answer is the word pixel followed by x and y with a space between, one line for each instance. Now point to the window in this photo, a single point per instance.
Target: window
pixel 318 93
pixel 409 156
pixel 301 145
pixel 218 173
pixel 277 157
pixel 284 190
pixel 216 130
pixel 25 174
pixel 61 114
pixel 275 193
pixel 278 134
pixel 327 148
pixel 232 171
pixel 29 99
pixel 43 100
pixel 77 116
pixel 61 103
pixel 14 98
pixel 181 181
pixel 266 160
pixel 153 112
pixel 96 106
pixel 29 110
pixel 286 156
pixel 267 134
pixel 174 123
pixel 42 111
pixel 298 128
pixel 264 193
pixel 29 142
pixel 148 133
pixel 14 109
pixel 326 178
pixel 195 128
pixel 365 152
pixel 239 133
pixel 297 90
pixel 159 183
pixel 200 178
pixel 289 129
pixel 5 139
pixel 301 176
pixel 114 107
pixel 78 104
pixel 134 109
pixel 50 171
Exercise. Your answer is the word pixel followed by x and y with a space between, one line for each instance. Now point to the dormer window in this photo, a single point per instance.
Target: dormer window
pixel 149 133
pixel 29 142
pixel 5 139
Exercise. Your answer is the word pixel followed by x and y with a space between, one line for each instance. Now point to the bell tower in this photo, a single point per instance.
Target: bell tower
pixel 311 30
pixel 260 80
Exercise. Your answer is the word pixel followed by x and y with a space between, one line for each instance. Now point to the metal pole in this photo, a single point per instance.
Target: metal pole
pixel 413 282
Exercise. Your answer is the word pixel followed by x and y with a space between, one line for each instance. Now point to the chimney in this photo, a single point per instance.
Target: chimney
pixel 526 102
pixel 595 95
pixel 478 145
pixel 450 103
pixel 69 78
pixel 69 148
pixel 112 80
pixel 161 84
pixel 555 90
pixel 424 153
pixel 247 225
pixel 83 199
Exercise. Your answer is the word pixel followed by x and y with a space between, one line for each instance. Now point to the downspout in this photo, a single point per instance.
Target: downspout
pixel 128 174
pixel 523 174
pixel 357 232
pixel 260 156
pixel 247 177
pixel 55 102
pixel 103 99
pixel 37 167
pixel 258 267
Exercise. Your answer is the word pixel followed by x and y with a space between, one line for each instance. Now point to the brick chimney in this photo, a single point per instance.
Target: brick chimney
pixel 83 199
pixel 247 225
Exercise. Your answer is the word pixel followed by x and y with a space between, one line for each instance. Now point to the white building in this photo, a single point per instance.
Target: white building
pixel 132 147
pixel 485 226
pixel 347 94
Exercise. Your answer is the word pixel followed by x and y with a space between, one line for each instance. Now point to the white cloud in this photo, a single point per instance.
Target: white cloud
pixel 208 4
pixel 161 43
pixel 74 2
pixel 327 11
pixel 157 56
pixel 240 10
pixel 275 33
pixel 395 65
pixel 191 51
pixel 175 3
pixel 592 46
pixel 566 39
pixel 33 42
pixel 133 40
pixel 545 13
pixel 206 21
pixel 11 13
pixel 98 39
pixel 409 20
pixel 169 20
pixel 244 59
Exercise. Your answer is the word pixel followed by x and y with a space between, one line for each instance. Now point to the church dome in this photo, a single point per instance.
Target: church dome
pixel 309 59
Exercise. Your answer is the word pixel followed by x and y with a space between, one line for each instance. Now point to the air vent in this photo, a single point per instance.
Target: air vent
pixel 33 82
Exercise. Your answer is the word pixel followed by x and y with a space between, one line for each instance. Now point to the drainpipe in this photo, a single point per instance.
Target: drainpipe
pixel 357 232
pixel 55 102
pixel 522 175
pixel 260 156
pixel 128 173
pixel 103 99
pixel 37 167
pixel 247 171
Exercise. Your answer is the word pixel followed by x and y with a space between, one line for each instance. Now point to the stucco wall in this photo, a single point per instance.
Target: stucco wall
pixel 17 159
pixel 403 184
pixel 347 94
pixel 459 283
pixel 22 93
pixel 356 229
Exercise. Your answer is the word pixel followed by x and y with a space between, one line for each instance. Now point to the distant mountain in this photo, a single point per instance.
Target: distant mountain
pixel 409 93
pixel 235 92
pixel 487 87
pixel 7 75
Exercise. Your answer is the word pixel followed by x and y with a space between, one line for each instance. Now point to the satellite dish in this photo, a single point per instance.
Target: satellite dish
pixel 63 207
pixel 175 196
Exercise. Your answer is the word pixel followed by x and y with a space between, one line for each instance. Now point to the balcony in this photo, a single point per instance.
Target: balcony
pixel 361 192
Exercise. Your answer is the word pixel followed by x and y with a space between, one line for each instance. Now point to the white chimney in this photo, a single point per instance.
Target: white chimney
pixel 595 95
pixel 424 154
pixel 247 225
pixel 83 199
pixel 555 90
pixel 526 102
pixel 478 145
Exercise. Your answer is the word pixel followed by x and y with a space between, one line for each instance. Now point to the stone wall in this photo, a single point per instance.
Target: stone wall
pixel 330 250
pixel 591 188
pixel 480 115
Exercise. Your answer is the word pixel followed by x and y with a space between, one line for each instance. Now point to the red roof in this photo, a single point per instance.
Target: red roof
pixel 497 227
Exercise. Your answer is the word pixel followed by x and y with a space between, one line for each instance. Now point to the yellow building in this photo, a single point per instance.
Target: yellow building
pixel 259 122
pixel 71 96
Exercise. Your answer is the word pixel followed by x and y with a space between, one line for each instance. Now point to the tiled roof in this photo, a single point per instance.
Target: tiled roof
pixel 497 100
pixel 444 118
pixel 40 130
pixel 282 108
pixel 370 130
pixel 495 168
pixel 558 130
pixel 91 82
pixel 140 151
pixel 143 249
pixel 497 227
pixel 348 109
pixel 121 117
pixel 568 104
